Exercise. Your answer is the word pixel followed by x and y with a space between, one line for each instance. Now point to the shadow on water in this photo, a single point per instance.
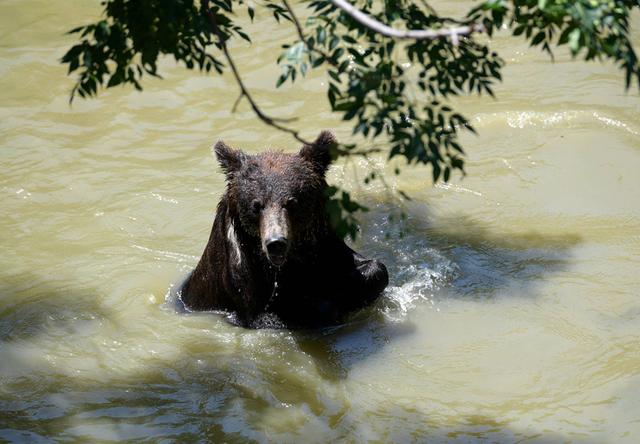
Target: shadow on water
pixel 202 407
pixel 437 260
pixel 37 313
pixel 31 306
pixel 236 395
pixel 470 257
pixel 241 392
pixel 335 350
pixel 259 387
pixel 488 261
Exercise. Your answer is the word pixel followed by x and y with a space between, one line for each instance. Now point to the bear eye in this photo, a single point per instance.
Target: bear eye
pixel 291 202
pixel 256 206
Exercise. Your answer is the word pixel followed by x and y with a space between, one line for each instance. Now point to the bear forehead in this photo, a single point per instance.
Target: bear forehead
pixel 275 163
pixel 279 171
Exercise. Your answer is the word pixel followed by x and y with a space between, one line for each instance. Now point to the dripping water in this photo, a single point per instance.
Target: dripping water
pixel 274 293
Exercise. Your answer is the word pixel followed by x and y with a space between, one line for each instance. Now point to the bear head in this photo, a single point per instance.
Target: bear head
pixel 278 199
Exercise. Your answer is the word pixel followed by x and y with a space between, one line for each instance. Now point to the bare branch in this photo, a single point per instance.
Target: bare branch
pixel 244 92
pixel 295 20
pixel 417 34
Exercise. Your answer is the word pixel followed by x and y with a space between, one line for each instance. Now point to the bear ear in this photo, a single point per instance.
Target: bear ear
pixel 230 160
pixel 319 152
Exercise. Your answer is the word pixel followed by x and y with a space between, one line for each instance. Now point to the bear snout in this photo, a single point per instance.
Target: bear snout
pixel 277 250
pixel 275 234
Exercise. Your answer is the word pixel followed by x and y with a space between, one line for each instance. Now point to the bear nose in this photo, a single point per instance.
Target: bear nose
pixel 276 248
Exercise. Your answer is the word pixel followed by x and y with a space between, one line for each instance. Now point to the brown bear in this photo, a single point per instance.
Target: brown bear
pixel 272 250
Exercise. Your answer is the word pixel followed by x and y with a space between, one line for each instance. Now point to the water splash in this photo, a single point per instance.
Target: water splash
pixel 418 281
pixel 418 267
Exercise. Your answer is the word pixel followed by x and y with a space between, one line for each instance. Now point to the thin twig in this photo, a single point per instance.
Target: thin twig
pixel 413 34
pixel 295 20
pixel 244 92
pixel 302 37
pixel 237 102
pixel 434 13
pixel 361 153
pixel 430 8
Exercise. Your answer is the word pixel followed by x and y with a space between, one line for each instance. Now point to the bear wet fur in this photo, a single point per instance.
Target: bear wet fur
pixel 270 225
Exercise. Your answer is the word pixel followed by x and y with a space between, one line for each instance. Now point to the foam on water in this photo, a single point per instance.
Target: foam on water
pixel 419 273
pixel 564 119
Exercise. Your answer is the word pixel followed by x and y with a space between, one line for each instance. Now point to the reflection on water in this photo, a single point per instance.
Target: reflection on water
pixel 512 312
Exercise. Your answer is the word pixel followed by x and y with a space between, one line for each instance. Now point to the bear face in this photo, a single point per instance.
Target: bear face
pixel 272 251
pixel 279 198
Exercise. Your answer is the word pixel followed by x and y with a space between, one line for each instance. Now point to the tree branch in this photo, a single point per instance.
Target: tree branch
pixel 418 34
pixel 359 16
pixel 244 92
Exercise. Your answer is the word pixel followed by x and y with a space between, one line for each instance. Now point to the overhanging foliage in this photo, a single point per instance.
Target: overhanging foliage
pixel 369 82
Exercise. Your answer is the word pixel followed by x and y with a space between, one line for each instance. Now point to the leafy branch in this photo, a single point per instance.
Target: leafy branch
pixel 392 66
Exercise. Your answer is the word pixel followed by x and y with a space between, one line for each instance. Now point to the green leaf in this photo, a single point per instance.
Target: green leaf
pixel 574 40
pixel 350 114
pixel 538 38
pixel 334 42
pixel 435 171
pixel 321 35
pixel 334 75
pixel 332 98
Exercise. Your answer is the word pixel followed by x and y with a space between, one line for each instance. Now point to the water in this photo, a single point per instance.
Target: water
pixel 512 312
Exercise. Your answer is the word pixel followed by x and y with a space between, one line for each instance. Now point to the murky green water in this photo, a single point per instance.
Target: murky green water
pixel 513 312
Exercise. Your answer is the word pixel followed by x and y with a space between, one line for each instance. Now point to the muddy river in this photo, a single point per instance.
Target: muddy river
pixel 513 311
